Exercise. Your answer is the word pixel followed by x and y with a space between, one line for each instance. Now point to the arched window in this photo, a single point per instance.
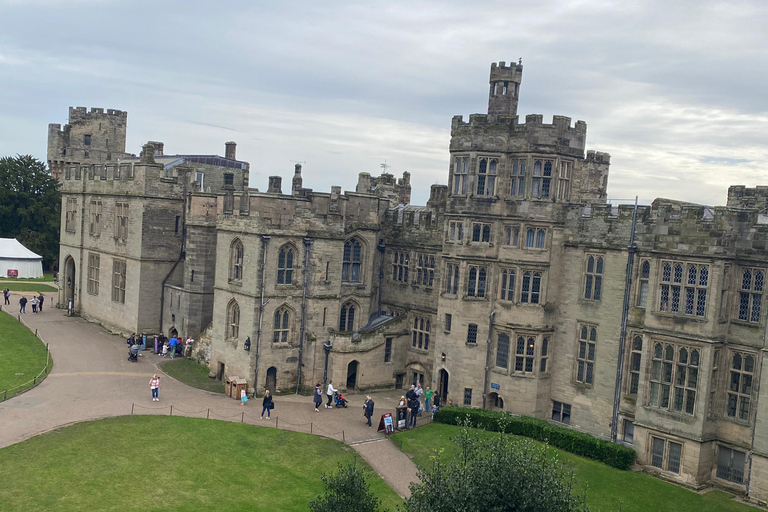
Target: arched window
pixel 508 284
pixel 634 364
pixel 540 236
pixel 236 253
pixel 347 317
pixel 585 357
pixel 353 257
pixel 285 265
pixel 281 328
pixel 593 278
pixel 530 236
pixel 233 320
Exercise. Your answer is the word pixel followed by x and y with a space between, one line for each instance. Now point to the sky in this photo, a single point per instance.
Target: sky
pixel 675 90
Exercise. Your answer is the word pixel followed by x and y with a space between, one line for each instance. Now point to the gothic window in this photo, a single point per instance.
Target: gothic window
pixel 452 278
pixel 530 288
pixel 585 357
pixel 544 358
pixel 593 277
pixel 542 178
pixel 425 270
pixel 674 378
pixel 481 232
pixel 420 332
pixel 233 320
pixel 236 253
pixel 281 330
pixel 512 236
pixel 460 170
pixel 535 238
pixel 536 180
pixel 502 350
pixel 347 317
pixel 353 257
pixel 518 179
pixel 683 288
pixel 95 218
pixel 740 386
pixel 635 356
pixel 486 176
pixel 546 180
pixel 93 273
pixel 455 231
pixel 468 397
pixel 564 181
pixel 645 273
pixel 118 281
pixel 751 295
pixel 476 281
pixel 524 354
pixel 508 284
pixel 285 265
pixel 400 264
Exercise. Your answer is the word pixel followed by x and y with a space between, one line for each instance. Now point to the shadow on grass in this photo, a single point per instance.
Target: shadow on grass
pixel 192 374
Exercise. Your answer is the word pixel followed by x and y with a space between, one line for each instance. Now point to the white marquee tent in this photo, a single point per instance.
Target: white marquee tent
pixel 16 257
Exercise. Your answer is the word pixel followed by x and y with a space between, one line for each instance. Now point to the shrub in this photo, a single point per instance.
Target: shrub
pixel 578 443
pixel 347 490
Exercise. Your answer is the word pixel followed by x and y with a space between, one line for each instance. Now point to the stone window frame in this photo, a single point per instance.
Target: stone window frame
pixel 672 365
pixel 563 192
pixel 119 272
pixel 724 463
pixel 456 231
pixel 401 264
pixel 460 175
pixel 524 354
pixel 742 395
pixel 420 332
pixel 586 352
pixel 634 360
pixel 286 258
pixel 94 263
pixel 517 177
pixel 468 397
pixel 388 349
pixel 541 178
pixel 507 283
pixel 661 456
pixel 512 235
pixel 532 286
pixel 425 270
pixel 678 292
pixel 70 221
pixel 472 332
pixel 594 269
pixel 643 283
pixel 348 316
pixel 95 209
pixel 478 278
pixel 544 354
pixel 121 221
pixel 452 278
pixel 751 289
pixel 487 172
pixel 236 260
pixel 447 324
pixel 628 431
pixel 483 231
pixel 561 412
pixel 535 238
pixel 503 344
pixel 352 260
pixel 232 328
pixel 282 321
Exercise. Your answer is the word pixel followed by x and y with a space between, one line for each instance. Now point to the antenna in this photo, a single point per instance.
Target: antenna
pixel 298 162
pixel 384 165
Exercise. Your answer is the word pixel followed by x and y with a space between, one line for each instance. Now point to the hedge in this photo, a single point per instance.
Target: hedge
pixel 578 443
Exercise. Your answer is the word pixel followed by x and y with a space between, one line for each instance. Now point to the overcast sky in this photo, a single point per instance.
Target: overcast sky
pixel 674 90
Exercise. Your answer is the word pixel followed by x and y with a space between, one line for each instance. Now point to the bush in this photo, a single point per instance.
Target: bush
pixel 578 443
pixel 347 490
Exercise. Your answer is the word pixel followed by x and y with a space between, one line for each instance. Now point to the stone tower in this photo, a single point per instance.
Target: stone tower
pixel 505 89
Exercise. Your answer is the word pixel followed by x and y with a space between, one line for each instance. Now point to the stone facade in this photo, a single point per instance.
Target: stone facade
pixel 517 288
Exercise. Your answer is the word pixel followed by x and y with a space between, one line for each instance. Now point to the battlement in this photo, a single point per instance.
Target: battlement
pixel 740 196
pixel 598 157
pixel 512 73
pixel 82 113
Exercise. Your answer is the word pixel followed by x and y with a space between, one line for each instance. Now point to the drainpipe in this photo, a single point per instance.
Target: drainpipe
pixel 381 247
pixel 327 346
pixel 264 242
pixel 754 420
pixel 624 316
pixel 307 251
pixel 488 355
pixel 182 250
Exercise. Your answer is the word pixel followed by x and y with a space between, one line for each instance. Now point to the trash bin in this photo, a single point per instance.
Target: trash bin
pixel 229 384
pixel 237 385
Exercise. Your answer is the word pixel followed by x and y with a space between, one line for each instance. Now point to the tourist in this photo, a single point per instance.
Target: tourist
pixel 243 396
pixel 428 399
pixel 188 346
pixel 34 304
pixel 7 295
pixel 419 391
pixel 368 409
pixel 154 385
pixel 267 404
pixel 23 305
pixel 40 301
pixel 161 339
pixel 318 397
pixel 137 341
pixel 413 405
pixel 436 402
pixel 172 344
pixel 330 392
pixel 165 349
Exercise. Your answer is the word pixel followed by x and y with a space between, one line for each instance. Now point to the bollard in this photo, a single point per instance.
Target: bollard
pixel 36 333
pixel 242 417
pixel 343 439
pixel 276 422
pixel 310 427
pixel 171 411
pixel 132 409
pixel 208 416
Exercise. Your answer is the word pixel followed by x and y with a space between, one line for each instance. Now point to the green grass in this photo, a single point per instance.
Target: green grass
pixel 22 356
pixel 25 286
pixel 607 488
pixel 47 277
pixel 192 374
pixel 185 464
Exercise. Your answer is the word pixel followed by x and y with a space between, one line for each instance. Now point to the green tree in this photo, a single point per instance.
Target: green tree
pixel 347 491
pixel 30 205
pixel 498 474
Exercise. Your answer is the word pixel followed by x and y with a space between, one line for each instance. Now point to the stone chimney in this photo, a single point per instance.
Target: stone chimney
pixel 148 153
pixel 230 150
pixel 297 181
pixel 275 185
pixel 159 147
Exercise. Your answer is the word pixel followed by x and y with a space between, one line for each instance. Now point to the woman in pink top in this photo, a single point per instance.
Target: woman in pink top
pixel 154 385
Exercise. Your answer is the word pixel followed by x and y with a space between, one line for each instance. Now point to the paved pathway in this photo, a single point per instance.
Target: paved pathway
pixel 92 378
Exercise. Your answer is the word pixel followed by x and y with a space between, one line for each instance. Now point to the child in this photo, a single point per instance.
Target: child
pixel 165 349
pixel 243 397
pixel 154 386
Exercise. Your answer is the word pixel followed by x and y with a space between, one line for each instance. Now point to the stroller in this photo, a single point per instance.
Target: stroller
pixel 133 353
pixel 339 399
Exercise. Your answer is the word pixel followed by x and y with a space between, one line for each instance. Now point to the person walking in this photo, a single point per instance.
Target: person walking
pixel 243 397
pixel 267 404
pixel 154 385
pixel 188 346
pixel 172 346
pixel 330 392
pixel 368 409
pixel 40 301
pixel 413 406
pixel 34 304
pixel 23 305
pixel 428 399
pixel 318 397
pixel 165 349
pixel 7 295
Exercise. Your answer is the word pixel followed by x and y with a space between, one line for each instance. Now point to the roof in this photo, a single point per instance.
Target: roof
pixel 169 161
pixel 11 249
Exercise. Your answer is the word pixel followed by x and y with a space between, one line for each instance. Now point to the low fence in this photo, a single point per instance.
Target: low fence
pixel 11 392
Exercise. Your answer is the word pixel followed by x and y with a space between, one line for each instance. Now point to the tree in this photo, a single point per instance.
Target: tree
pixel 347 491
pixel 30 206
pixel 501 473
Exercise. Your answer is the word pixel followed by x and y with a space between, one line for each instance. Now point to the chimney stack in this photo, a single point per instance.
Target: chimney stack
pixel 275 185
pixel 230 150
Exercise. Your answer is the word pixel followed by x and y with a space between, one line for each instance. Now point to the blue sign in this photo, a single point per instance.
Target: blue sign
pixel 495 386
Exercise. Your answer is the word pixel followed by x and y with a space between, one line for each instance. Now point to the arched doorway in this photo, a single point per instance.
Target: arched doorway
pixel 69 280
pixel 442 385
pixel 173 333
pixel 271 383
pixel 352 375
pixel 496 402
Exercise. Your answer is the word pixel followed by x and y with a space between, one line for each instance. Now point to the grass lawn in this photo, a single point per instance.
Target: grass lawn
pixel 192 374
pixel 26 286
pixel 185 464
pixel 22 355
pixel 47 277
pixel 607 488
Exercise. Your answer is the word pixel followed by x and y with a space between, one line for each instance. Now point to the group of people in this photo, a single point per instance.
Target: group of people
pixel 36 302
pixel 411 406
pixel 163 345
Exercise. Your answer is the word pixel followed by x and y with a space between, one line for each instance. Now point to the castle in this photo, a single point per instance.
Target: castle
pixel 517 287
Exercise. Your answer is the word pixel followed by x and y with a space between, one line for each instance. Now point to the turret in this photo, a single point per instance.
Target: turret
pixel 505 89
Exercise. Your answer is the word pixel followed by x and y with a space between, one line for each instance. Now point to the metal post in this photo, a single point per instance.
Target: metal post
pixel 276 418
pixel 343 438
pixel 382 248
pixel 132 405
pixel 487 356
pixel 171 411
pixel 208 415
pixel 310 427
pixel 242 417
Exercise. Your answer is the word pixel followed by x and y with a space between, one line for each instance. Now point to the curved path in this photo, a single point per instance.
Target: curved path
pixel 92 378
